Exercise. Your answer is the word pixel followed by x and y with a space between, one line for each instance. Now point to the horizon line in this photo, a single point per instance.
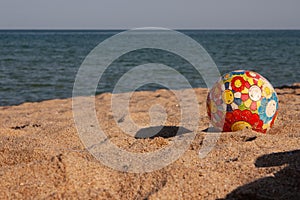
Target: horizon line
pixel 122 29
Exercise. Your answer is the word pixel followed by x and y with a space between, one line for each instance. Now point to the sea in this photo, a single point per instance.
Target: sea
pixel 37 65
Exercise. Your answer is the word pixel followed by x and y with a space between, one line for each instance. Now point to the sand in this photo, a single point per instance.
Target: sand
pixel 41 155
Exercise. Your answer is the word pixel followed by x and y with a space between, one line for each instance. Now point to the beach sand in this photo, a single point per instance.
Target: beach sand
pixel 41 155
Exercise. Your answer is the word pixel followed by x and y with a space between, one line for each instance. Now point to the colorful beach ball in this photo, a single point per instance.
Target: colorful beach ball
pixel 242 99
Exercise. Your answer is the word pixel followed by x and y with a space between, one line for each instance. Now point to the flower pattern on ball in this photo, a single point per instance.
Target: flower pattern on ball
pixel 229 97
pixel 241 119
pixel 251 95
pixel 242 99
pixel 215 106
pixel 268 108
pixel 238 83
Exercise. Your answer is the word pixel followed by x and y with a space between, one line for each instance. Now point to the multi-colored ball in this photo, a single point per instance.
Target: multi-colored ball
pixel 242 99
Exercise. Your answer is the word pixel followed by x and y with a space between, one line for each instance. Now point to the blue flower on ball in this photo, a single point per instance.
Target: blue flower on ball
pixel 268 108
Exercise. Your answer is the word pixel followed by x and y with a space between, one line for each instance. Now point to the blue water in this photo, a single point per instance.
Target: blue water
pixel 39 65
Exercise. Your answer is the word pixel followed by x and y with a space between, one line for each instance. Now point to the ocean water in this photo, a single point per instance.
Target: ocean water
pixel 40 65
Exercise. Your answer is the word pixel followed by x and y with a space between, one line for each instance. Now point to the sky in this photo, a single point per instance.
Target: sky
pixel 127 14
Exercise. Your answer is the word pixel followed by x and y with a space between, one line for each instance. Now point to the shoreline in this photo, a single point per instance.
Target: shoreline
pixel 290 86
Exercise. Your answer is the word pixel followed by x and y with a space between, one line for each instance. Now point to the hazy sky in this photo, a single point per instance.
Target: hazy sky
pixel 124 14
